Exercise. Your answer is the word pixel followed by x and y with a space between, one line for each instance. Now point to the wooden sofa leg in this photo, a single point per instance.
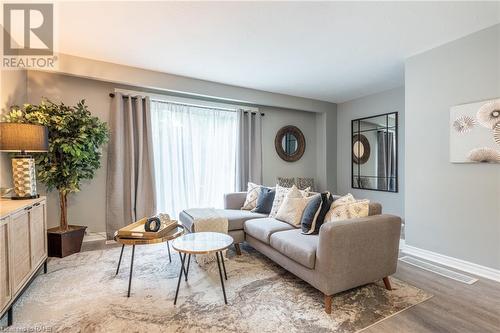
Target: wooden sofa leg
pixel 328 304
pixel 387 283
pixel 238 250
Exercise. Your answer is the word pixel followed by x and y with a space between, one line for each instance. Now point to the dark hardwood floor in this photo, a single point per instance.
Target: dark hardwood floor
pixel 455 307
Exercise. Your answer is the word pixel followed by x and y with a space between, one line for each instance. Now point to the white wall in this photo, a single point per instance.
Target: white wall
pixel 451 209
pixel 88 206
pixel 389 101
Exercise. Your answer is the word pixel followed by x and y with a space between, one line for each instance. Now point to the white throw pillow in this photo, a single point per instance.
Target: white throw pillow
pixel 279 197
pixel 292 207
pixel 253 192
pixel 348 210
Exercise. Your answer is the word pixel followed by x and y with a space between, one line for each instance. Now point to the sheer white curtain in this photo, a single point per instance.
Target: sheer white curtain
pixel 194 155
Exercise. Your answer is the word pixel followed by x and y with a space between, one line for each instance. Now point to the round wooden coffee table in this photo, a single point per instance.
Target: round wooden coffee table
pixel 202 243
pixel 173 234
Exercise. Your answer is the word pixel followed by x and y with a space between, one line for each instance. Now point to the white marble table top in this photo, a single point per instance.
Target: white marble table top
pixel 202 242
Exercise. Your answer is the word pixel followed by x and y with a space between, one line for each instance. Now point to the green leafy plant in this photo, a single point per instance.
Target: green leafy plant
pixel 75 141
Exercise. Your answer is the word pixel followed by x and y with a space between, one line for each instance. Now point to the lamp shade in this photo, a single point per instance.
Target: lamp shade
pixel 17 137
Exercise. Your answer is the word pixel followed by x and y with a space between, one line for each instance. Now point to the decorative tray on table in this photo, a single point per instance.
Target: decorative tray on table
pixel 137 230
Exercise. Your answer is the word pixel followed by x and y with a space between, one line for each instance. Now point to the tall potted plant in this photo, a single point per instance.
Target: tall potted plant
pixel 75 141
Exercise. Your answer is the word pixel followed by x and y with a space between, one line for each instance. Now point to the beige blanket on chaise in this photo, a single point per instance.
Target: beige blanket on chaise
pixel 207 219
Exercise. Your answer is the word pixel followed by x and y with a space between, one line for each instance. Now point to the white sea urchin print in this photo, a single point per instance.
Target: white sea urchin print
pixel 488 115
pixel 484 155
pixel 496 133
pixel 464 124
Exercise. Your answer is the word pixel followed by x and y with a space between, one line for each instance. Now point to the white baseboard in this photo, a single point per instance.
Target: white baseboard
pixel 469 267
pixel 94 236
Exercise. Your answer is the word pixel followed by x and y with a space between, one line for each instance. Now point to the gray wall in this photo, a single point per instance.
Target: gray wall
pixel 272 165
pixel 88 206
pixel 13 87
pixel 384 102
pixel 451 209
pixel 326 150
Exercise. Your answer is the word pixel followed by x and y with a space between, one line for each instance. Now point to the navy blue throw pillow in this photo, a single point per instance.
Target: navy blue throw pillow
pixel 265 200
pixel 315 212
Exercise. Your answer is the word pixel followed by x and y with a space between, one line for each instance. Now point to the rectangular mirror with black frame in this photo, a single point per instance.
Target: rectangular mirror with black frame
pixel 374 150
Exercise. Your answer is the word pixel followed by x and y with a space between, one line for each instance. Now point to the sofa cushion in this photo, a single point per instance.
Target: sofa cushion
pixel 265 200
pixel 311 213
pixel 296 246
pixel 292 207
pixel 303 183
pixel 263 228
pixel 253 192
pixel 374 208
pixel 235 218
pixel 326 202
pixel 348 210
pixel 281 193
pixel 286 181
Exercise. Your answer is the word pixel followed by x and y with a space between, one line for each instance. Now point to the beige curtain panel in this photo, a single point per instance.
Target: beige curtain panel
pixel 130 187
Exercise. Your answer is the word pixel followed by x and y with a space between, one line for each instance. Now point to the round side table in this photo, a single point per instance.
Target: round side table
pixel 173 234
pixel 202 243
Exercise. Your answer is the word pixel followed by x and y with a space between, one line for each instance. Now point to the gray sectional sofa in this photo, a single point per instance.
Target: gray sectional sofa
pixel 344 255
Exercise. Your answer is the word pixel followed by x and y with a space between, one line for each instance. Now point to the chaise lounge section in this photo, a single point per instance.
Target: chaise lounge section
pixel 344 255
pixel 235 216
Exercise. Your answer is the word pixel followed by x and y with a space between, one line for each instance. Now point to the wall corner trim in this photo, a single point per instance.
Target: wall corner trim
pixel 466 266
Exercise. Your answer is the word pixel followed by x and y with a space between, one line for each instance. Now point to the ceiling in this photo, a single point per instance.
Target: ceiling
pixel 331 51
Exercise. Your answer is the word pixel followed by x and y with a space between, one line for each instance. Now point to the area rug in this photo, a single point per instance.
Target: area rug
pixel 81 293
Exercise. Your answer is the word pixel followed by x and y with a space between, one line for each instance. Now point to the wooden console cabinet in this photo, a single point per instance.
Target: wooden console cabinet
pixel 23 247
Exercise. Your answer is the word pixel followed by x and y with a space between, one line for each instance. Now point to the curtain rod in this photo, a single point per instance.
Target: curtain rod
pixel 112 95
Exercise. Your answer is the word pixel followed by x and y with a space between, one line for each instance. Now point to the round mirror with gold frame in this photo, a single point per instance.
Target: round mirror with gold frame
pixel 290 143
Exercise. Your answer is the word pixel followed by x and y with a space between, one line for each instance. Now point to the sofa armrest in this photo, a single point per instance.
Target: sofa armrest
pixel 355 252
pixel 234 200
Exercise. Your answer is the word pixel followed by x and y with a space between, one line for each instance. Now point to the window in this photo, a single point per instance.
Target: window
pixel 194 155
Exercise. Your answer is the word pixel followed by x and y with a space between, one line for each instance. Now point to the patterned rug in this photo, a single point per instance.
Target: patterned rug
pixel 81 293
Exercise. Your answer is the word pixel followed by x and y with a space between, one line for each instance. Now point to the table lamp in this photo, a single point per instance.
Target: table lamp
pixel 22 138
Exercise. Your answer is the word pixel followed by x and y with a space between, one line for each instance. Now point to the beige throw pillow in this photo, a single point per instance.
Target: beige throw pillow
pixel 279 197
pixel 253 192
pixel 292 207
pixel 348 210
pixel 342 200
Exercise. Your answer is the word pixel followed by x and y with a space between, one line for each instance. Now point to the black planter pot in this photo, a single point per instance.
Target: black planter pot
pixel 62 243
